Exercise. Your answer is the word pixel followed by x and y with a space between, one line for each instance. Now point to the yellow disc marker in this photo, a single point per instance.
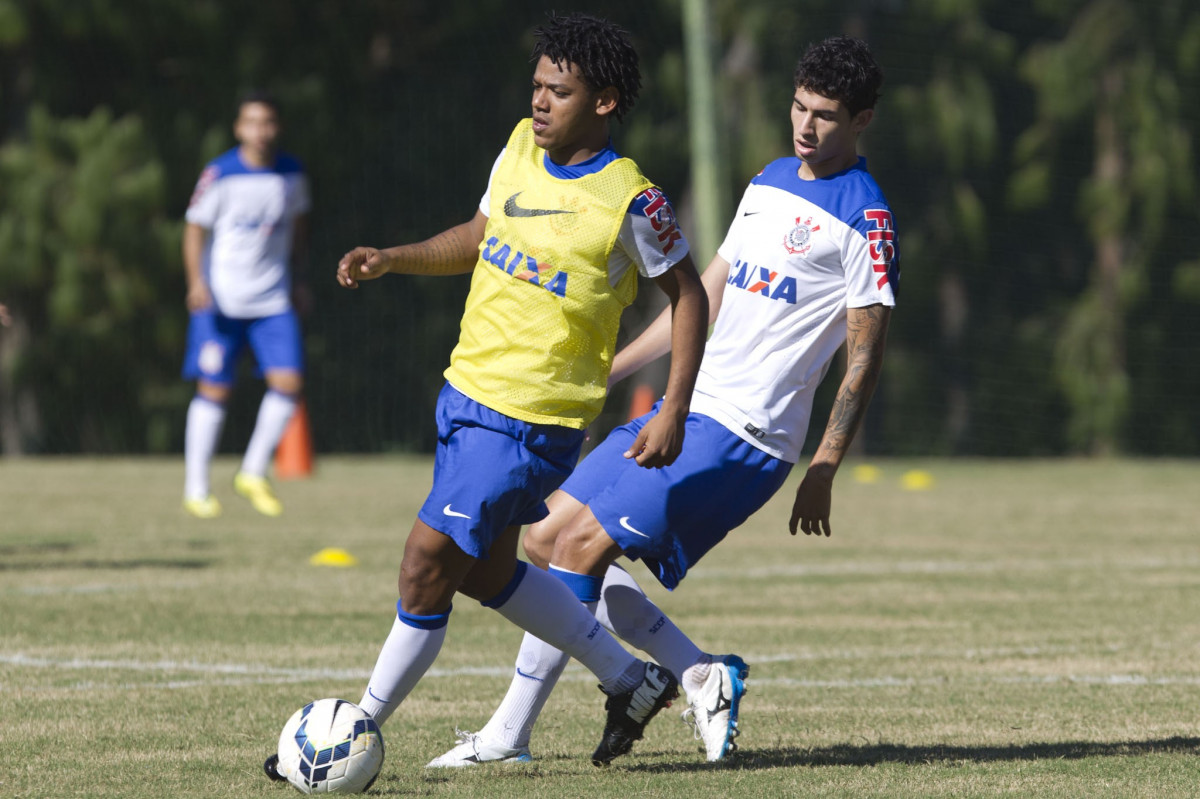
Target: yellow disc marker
pixel 332 556
pixel 917 480
pixel 866 474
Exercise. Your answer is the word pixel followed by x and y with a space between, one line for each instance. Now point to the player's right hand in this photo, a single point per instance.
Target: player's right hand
pixel 199 298
pixel 814 498
pixel 660 440
pixel 361 263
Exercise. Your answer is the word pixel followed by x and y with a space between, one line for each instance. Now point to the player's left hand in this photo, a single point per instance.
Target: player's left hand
pixel 660 440
pixel 814 498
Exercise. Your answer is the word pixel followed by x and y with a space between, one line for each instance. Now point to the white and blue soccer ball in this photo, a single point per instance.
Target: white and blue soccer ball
pixel 330 746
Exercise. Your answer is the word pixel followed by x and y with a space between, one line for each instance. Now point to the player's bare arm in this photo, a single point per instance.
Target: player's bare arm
pixel 655 341
pixel 451 252
pixel 659 442
pixel 194 239
pixel 300 238
pixel 866 335
pixel 302 298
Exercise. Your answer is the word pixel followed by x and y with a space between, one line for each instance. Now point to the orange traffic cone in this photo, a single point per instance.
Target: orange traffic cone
pixel 642 402
pixel 294 456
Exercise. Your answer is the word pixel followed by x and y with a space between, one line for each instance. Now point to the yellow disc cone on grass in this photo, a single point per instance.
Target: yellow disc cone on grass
pixel 332 556
pixel 917 480
pixel 865 473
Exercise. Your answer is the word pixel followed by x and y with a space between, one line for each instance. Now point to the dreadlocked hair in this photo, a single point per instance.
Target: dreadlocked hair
pixel 843 69
pixel 599 51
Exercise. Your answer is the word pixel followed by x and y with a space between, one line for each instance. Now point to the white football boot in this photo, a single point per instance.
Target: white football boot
pixel 713 709
pixel 471 750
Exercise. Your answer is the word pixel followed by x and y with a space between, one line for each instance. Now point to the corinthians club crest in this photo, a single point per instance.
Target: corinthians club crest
pixel 798 241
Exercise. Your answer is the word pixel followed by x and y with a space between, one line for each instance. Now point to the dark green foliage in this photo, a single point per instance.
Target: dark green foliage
pixel 1038 157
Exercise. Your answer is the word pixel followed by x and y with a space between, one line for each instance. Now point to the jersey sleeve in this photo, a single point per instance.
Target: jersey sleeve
pixel 729 249
pixel 485 202
pixel 650 236
pixel 872 258
pixel 202 208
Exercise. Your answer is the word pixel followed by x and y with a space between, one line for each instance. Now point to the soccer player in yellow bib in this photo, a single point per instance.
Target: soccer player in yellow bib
pixel 554 250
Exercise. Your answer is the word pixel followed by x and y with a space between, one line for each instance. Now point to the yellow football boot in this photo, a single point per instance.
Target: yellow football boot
pixel 258 491
pixel 203 508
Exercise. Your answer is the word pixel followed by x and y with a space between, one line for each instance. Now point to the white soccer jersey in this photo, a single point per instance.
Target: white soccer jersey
pixel 250 213
pixel 800 252
pixel 649 239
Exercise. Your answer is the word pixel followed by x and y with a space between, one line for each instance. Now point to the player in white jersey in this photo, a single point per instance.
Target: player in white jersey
pixel 246 224
pixel 810 262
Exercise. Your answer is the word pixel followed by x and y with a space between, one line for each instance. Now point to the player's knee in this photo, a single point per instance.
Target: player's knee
pixel 214 392
pixel 286 382
pixel 573 536
pixel 424 585
pixel 539 543
pixel 583 546
pixel 423 591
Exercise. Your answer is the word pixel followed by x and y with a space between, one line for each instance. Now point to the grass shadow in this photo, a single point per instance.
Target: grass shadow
pixel 880 753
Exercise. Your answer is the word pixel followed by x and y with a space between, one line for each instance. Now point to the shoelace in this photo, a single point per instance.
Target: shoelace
pixel 464 736
pixel 688 717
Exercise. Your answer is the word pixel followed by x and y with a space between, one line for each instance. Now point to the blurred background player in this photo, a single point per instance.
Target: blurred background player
pixel 554 250
pixel 246 226
pixel 810 262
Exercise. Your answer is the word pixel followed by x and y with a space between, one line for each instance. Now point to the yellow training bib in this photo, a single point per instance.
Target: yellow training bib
pixel 540 326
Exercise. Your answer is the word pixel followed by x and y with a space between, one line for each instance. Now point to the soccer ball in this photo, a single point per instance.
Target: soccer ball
pixel 330 746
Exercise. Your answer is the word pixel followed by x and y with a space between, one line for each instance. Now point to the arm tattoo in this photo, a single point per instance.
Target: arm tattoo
pixel 866 332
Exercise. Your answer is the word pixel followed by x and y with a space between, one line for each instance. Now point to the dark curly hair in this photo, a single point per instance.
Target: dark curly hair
pixel 843 69
pixel 600 51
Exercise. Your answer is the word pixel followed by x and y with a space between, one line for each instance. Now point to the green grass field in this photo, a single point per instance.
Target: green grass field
pixel 1023 628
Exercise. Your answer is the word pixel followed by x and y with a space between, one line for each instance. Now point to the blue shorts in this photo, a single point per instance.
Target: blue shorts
pixel 215 343
pixel 492 471
pixel 671 516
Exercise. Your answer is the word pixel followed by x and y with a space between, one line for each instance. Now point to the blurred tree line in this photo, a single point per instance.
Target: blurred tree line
pixel 1038 155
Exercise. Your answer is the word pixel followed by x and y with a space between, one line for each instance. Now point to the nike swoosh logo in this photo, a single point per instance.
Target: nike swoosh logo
pixel 750 213
pixel 528 676
pixel 512 209
pixel 624 520
pixel 447 512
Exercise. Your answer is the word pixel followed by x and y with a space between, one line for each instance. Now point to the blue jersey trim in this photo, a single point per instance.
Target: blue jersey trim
pixel 230 163
pixel 591 167
pixel 588 167
pixel 846 195
pixel 843 194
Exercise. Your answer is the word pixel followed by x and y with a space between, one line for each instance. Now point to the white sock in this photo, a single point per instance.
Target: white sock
pixel 539 666
pixel 273 415
pixel 625 609
pixel 407 654
pixel 544 606
pixel 205 419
